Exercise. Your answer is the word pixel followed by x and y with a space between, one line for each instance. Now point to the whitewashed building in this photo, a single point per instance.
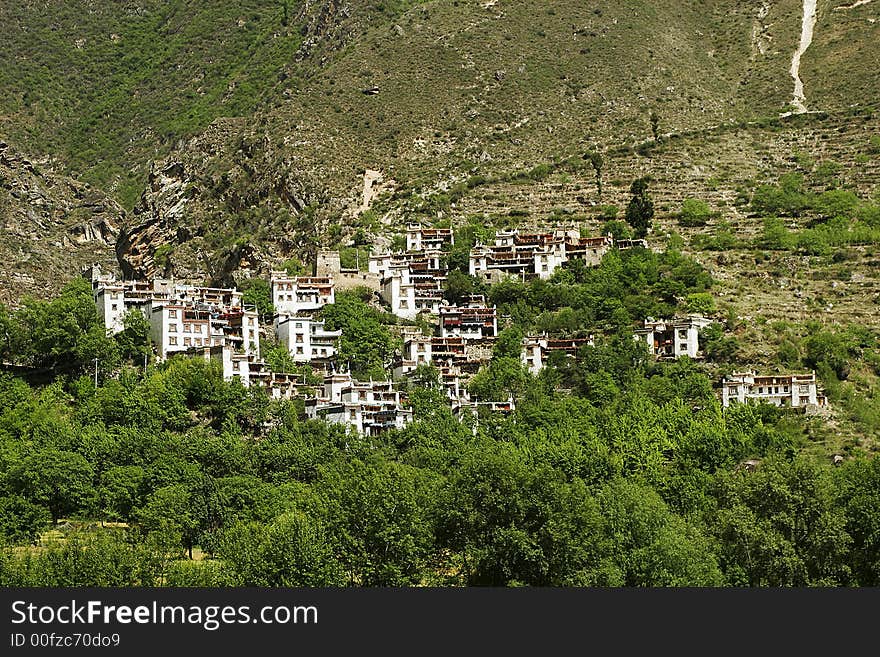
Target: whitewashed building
pixel 792 390
pixel 382 264
pixel 367 407
pixel 473 321
pixel 537 348
pixel 671 339
pixel 306 339
pixel 175 326
pixel 409 292
pixel 419 238
pixel 295 295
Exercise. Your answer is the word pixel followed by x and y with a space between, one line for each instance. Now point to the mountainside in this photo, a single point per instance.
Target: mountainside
pixel 243 135
pixel 51 227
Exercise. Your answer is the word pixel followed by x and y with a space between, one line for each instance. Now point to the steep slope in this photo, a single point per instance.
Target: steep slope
pixel 51 227
pixel 241 139
pixel 106 86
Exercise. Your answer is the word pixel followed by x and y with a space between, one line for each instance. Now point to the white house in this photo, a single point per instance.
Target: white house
pixel 537 348
pixel 382 263
pixel 671 339
pixel 305 338
pixel 177 327
pixel 368 407
pixel 410 292
pixel 474 321
pixel 423 239
pixel 294 295
pixel 794 390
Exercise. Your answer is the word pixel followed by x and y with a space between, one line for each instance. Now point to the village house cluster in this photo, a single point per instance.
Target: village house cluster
pixel 214 323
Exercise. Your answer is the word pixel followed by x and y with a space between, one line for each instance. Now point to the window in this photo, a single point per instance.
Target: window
pixel 172 313
pixel 198 342
pixel 784 388
pixel 186 328
pixel 187 342
pixel 172 328
pixel 236 365
pixel 298 325
pixel 760 390
pixel 299 350
pixel 172 340
pixel 115 306
pixel 299 337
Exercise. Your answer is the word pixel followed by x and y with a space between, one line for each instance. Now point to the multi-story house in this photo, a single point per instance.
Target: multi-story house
pixel 410 290
pixel 793 390
pixel 306 339
pixel 382 264
pixel 419 238
pixel 536 349
pixel 671 339
pixel 295 295
pixel 473 321
pixel 367 407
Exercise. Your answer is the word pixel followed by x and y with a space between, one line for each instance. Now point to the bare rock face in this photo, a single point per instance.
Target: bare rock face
pixel 155 222
pixel 227 205
pixel 50 228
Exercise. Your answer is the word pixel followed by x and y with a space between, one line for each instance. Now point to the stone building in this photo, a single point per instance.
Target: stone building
pixel 671 339
pixel 792 390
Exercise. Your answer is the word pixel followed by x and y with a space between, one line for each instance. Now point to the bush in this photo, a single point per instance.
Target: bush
pixel 830 350
pixel 694 213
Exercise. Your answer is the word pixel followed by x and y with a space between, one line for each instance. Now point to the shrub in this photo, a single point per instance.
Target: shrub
pixel 694 212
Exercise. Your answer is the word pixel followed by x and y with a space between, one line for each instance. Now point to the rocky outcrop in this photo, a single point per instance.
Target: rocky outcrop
pixel 225 206
pixel 50 227
pixel 143 248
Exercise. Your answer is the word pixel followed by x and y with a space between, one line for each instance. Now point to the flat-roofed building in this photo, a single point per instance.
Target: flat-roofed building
pixel 419 238
pixel 295 295
pixel 792 390
pixel 668 339
pixel 306 339
pixel 369 408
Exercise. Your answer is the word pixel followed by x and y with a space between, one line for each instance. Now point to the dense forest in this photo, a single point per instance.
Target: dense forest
pixel 614 469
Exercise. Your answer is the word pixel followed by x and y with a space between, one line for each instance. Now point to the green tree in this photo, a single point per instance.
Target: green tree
pixel 170 516
pixel 366 343
pixel 292 550
pixel 21 521
pixel 596 161
pixel 830 349
pixel 694 212
pixel 458 287
pixel 59 480
pixel 378 515
pixel 121 490
pixel 257 292
pixel 640 210
pixel 655 125
pixel 134 340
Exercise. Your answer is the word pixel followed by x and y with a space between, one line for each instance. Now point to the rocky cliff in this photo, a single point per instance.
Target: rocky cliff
pixel 51 226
